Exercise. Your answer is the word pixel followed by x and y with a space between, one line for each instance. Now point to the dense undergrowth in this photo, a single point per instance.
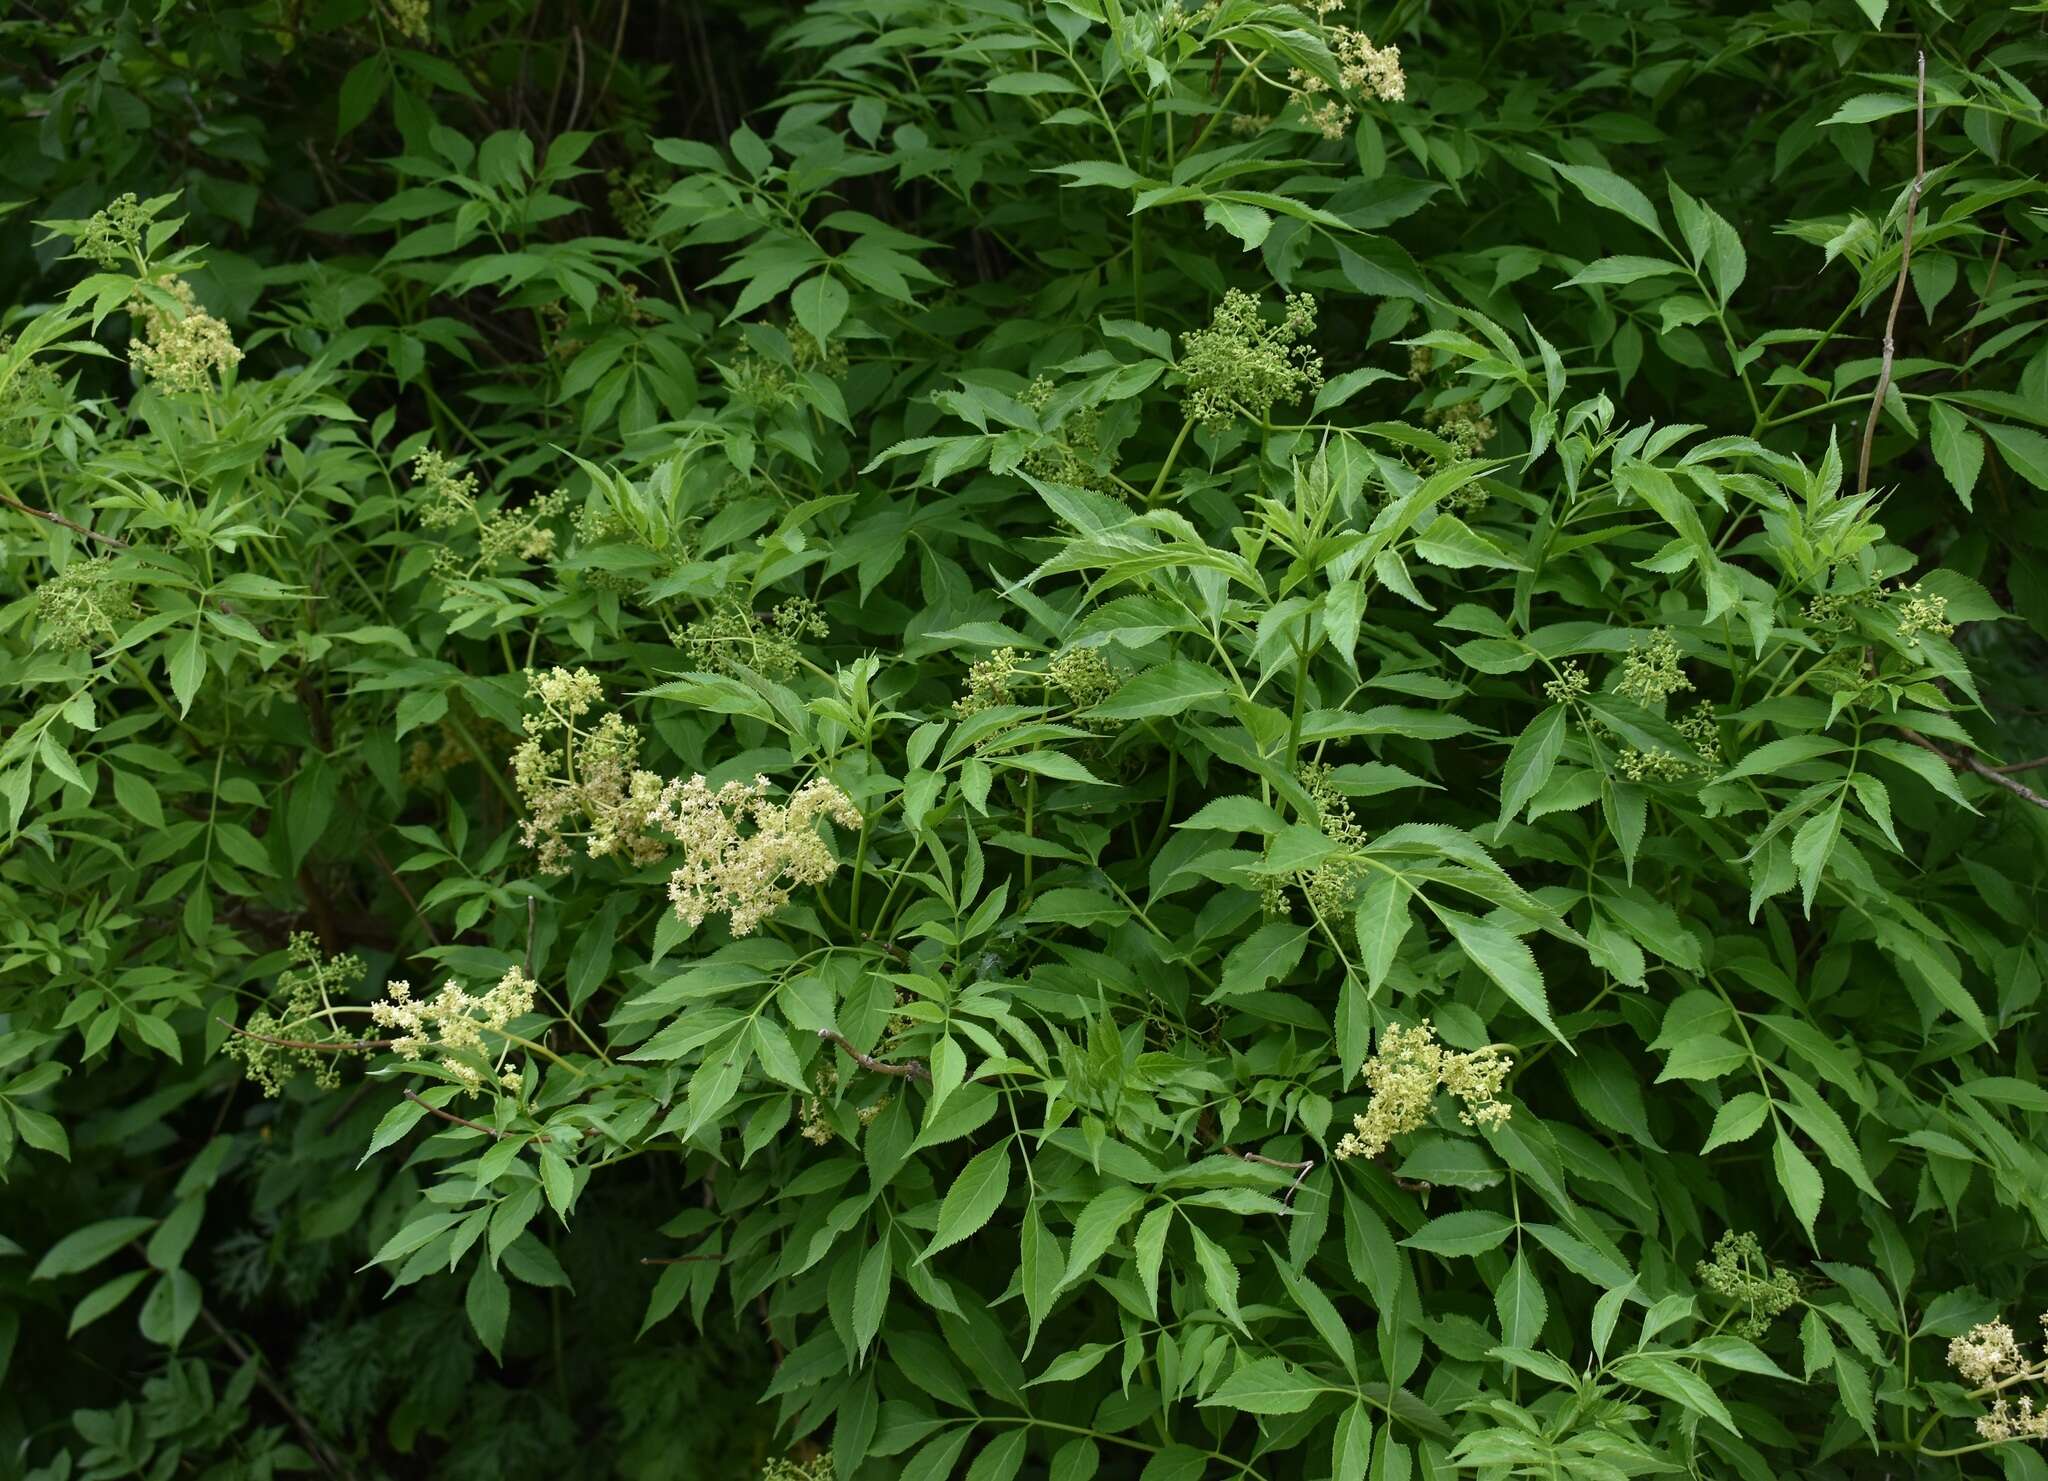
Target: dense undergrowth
pixel 1022 737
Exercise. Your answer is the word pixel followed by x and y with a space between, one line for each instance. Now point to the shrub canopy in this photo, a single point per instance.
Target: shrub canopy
pixel 908 738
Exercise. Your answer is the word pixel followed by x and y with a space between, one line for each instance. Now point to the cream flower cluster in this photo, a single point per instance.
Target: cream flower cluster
pixel 451 1025
pixel 1330 886
pixel 583 782
pixel 450 502
pixel 1989 1357
pixel 1364 72
pixel 1404 1078
pixel 1986 1353
pixel 743 854
pixel 181 351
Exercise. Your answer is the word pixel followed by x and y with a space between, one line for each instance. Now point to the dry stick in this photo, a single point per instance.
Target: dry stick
pixel 908 1069
pixel 347 1046
pixel 58 519
pixel 1971 763
pixel 327 1462
pixel 488 1131
pixel 1300 1169
pixel 1891 322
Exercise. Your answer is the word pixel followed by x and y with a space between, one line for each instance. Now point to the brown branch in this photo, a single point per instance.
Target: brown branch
pixel 399 885
pixel 1990 774
pixel 349 1046
pixel 2023 765
pixel 488 1131
pixel 910 1069
pixel 332 1464
pixel 1301 1169
pixel 326 1459
pixel 58 519
pixel 1891 322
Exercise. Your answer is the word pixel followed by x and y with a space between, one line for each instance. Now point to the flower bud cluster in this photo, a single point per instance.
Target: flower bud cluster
pixel 1241 365
pixel 1740 1274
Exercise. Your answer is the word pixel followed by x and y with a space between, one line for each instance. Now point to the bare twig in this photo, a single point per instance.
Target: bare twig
pixel 2022 765
pixel 399 885
pixel 1301 1169
pixel 909 1069
pixel 1990 774
pixel 341 1046
pixel 1891 322
pixel 576 103
pixel 489 1131
pixel 326 1459
pixel 58 519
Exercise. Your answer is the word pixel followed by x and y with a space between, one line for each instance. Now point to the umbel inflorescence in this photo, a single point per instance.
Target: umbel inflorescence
pixel 182 347
pixel 1405 1076
pixel 1988 1356
pixel 743 853
pixel 1241 365
pixel 451 1026
pixel 1740 1274
pixel 295 1029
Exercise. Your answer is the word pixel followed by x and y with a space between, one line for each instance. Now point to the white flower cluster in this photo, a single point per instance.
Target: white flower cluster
pixel 742 853
pixel 1405 1076
pixel 451 1025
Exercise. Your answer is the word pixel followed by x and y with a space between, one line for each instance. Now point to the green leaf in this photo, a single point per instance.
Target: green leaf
pixel 1351 1445
pixel 1450 542
pixel 820 306
pixel 973 1198
pixel 1165 689
pixel 1869 107
pixel 1506 959
pixel 1612 193
pixel 82 1249
pixel 1249 224
pixel 186 664
pixel 1263 958
pixel 1267 1386
pixel 2024 450
pixel 1801 1182
pixel 1623 270
pixel 870 1295
pixel 1529 764
pixel 1457 1235
pixel 1738 1119
pixel 1219 1273
pixel 103 1299
pixel 1520 1304
pixel 1670 1380
pixel 1957 450
pixel 488 1300
pixel 1381 922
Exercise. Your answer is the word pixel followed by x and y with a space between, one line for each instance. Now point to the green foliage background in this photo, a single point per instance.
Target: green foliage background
pixel 1242 555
